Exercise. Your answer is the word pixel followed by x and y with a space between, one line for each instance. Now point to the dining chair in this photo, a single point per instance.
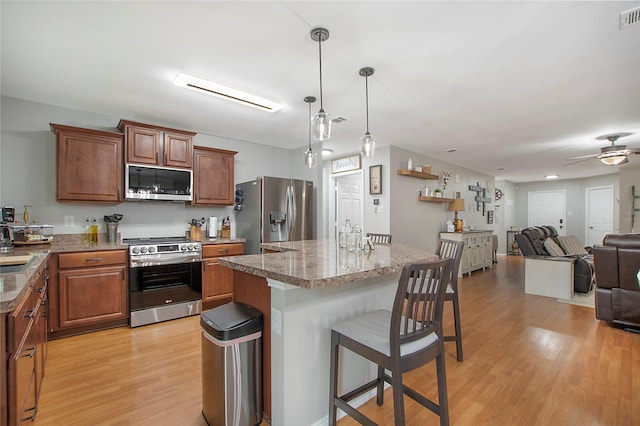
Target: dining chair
pixel 397 341
pixel 453 249
pixel 379 238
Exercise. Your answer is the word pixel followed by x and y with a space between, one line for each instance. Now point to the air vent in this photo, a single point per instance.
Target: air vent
pixel 629 18
pixel 338 119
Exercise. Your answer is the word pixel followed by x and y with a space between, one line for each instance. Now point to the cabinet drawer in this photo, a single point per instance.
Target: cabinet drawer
pixel 219 250
pixel 91 258
pixel 20 319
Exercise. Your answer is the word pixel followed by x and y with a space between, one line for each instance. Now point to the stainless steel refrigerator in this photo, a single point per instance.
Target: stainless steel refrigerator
pixel 271 209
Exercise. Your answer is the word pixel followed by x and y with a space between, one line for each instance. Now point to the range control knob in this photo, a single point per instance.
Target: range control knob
pixel 183 247
pixel 190 247
pixel 152 249
pixel 135 250
pixel 143 250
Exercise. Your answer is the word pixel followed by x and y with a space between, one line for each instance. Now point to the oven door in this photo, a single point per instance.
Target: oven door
pixel 160 285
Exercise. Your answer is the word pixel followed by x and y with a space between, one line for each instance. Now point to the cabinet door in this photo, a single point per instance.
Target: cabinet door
pixel 217 283
pixel 22 392
pixel 91 295
pixel 143 145
pixel 89 165
pixel 213 176
pixel 178 150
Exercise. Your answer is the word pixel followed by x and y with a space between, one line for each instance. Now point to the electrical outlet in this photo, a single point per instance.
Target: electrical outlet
pixel 69 221
pixel 276 321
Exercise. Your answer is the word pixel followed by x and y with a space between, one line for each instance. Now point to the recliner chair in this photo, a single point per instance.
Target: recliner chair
pixel 617 265
pixel 531 242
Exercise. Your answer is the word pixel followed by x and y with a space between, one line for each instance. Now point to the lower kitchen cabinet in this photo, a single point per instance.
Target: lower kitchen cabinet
pixel 91 292
pixel 24 345
pixel 217 280
pixel 477 252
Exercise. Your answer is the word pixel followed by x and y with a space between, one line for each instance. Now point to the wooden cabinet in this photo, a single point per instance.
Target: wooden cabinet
pixel 89 165
pixel 25 349
pixel 213 176
pixel 477 252
pixel 217 280
pixel 91 291
pixel 158 146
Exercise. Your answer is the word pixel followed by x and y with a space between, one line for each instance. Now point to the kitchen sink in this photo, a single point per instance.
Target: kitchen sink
pixel 13 264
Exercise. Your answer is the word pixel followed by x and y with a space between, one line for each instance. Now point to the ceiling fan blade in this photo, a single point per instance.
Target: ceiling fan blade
pixel 583 157
pixel 580 160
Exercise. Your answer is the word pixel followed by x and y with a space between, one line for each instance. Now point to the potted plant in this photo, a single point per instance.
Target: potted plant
pixel 437 193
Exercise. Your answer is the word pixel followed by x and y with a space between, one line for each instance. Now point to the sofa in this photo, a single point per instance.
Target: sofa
pixel 617 265
pixel 555 266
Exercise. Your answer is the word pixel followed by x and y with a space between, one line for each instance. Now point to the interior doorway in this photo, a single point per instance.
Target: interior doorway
pixel 348 200
pixel 548 208
pixel 598 214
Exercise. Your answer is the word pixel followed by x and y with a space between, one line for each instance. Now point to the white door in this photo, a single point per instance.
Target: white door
pixel 349 199
pixel 548 208
pixel 599 214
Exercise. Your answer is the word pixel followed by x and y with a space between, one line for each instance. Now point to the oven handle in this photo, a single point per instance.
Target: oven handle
pixel 142 262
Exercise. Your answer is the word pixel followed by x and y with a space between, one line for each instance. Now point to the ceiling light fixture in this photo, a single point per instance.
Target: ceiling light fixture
pixel 551 177
pixel 321 121
pixel 326 152
pixel 367 141
pixel 310 157
pixel 234 95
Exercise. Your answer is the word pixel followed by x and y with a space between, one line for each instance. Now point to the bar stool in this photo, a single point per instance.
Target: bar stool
pixel 400 340
pixel 453 249
pixel 379 238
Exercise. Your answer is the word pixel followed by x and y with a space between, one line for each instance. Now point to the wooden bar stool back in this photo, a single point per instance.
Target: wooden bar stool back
pixel 453 250
pixel 397 341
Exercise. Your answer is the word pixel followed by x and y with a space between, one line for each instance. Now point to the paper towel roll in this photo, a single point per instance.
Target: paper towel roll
pixel 213 227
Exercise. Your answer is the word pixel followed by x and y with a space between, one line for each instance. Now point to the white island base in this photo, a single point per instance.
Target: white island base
pixel 301 345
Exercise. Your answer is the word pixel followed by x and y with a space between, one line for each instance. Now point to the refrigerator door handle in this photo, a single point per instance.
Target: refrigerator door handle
pixel 294 210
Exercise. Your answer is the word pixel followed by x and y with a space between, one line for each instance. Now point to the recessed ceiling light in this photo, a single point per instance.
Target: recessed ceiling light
pixel 326 151
pixel 224 92
pixel 551 177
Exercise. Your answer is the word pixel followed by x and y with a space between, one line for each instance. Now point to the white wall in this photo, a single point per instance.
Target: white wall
pixel 27 175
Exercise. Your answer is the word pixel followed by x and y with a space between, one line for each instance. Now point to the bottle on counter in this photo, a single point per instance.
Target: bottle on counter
pixel 410 164
pixel 86 239
pixel 94 231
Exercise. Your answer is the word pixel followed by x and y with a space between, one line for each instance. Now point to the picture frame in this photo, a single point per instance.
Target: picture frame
pixel 375 179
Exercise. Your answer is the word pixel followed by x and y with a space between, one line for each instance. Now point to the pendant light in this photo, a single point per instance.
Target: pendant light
pixel 367 141
pixel 321 121
pixel 310 157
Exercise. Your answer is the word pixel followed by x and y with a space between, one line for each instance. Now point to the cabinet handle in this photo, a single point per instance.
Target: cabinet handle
pixel 41 289
pixel 30 313
pixel 204 266
pixel 122 274
pixel 119 195
pixel 166 156
pixel 222 251
pixel 33 416
pixel 32 352
pixel 93 259
pixel 156 157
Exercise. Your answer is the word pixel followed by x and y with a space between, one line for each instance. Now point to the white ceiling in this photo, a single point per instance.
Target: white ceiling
pixel 515 88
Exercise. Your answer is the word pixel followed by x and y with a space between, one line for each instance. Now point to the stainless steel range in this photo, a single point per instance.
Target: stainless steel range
pixel 165 279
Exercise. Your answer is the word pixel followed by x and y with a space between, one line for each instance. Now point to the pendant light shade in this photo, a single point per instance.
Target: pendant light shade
pixel 367 141
pixel 321 121
pixel 310 157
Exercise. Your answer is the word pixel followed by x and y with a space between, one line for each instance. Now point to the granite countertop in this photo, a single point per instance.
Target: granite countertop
pixel 469 231
pixel 13 285
pixel 315 264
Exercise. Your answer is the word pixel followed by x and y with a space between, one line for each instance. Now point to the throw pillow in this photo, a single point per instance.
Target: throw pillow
pixel 571 245
pixel 553 248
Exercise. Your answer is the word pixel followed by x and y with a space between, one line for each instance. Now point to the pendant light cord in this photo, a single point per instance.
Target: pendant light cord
pixel 366 85
pixel 320 62
pixel 309 121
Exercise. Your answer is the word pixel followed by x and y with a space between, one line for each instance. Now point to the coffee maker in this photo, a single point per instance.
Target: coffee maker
pixel 6 232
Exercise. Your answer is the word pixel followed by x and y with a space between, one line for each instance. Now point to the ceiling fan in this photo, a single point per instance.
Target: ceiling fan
pixel 612 155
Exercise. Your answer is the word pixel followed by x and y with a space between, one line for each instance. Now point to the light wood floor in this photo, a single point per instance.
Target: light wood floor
pixel 529 360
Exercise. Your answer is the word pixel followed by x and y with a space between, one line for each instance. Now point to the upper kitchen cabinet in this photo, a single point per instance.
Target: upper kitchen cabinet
pixel 213 176
pixel 158 146
pixel 89 164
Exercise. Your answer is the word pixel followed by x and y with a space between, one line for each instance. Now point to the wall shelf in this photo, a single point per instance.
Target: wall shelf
pixel 435 199
pixel 420 175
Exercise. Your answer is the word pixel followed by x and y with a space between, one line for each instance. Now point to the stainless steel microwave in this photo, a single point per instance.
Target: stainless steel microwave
pixel 157 183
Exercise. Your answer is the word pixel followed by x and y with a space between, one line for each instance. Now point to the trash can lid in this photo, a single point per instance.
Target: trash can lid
pixel 231 321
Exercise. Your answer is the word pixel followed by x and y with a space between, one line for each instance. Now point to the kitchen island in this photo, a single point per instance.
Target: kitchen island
pixel 312 285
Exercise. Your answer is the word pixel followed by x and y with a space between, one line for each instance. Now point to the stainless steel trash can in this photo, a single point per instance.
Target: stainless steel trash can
pixel 232 365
